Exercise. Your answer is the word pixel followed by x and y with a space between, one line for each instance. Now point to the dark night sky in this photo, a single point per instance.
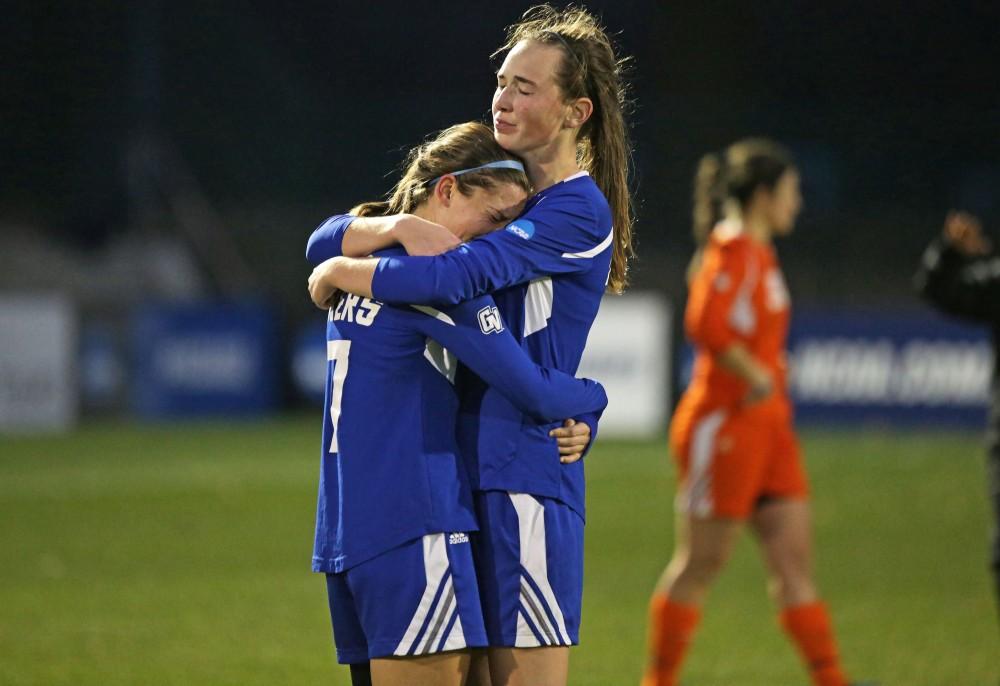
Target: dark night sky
pixel 892 107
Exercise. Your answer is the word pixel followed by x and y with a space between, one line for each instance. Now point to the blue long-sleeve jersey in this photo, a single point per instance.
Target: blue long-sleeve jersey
pixel 547 271
pixel 391 471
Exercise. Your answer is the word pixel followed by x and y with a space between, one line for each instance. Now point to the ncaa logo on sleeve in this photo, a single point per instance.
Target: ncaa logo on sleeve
pixel 489 320
pixel 522 228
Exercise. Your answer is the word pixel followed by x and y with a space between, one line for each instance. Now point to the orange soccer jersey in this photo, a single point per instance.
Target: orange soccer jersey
pixel 732 454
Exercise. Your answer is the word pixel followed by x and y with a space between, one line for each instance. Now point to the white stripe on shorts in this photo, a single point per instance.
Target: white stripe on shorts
pixel 456 637
pixel 445 608
pixel 696 497
pixel 435 567
pixel 525 637
pixel 531 524
pixel 535 611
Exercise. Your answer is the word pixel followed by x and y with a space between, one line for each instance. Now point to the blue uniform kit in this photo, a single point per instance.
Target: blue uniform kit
pixel 546 272
pixel 394 498
pixel 418 598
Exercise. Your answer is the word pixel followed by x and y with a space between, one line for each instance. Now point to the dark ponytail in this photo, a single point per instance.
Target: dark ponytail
pixel 707 197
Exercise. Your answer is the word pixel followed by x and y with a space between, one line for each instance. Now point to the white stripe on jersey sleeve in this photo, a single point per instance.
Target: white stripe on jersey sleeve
pixel 596 250
pixel 437 314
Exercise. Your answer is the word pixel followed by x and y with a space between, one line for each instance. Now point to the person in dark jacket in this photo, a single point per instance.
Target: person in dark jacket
pixel 960 275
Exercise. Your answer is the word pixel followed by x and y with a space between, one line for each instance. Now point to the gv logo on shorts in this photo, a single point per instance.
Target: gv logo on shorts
pixel 522 228
pixel 489 320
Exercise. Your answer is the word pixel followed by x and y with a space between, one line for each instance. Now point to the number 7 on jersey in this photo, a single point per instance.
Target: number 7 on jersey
pixel 337 352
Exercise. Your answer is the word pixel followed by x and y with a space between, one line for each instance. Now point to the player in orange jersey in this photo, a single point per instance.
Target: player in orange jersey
pixel 732 437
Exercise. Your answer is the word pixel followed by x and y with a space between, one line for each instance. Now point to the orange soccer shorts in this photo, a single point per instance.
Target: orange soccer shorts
pixel 732 459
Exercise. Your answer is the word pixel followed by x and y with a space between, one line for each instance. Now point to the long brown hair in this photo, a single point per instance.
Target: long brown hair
pixel 732 177
pixel 462 146
pixel 591 69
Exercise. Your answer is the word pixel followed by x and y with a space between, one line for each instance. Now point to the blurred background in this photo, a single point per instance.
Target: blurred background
pixel 156 152
pixel 163 164
pixel 180 152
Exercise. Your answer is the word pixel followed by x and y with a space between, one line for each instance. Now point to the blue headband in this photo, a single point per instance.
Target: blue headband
pixel 499 164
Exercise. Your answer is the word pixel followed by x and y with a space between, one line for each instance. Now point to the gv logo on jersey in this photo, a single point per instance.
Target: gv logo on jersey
pixel 522 228
pixel 489 320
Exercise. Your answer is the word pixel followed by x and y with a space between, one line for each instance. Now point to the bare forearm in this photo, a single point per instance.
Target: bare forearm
pixel 737 359
pixel 368 234
pixel 418 236
pixel 354 275
pixel 350 274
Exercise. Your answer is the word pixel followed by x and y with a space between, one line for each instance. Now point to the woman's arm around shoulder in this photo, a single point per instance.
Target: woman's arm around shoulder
pixel 350 236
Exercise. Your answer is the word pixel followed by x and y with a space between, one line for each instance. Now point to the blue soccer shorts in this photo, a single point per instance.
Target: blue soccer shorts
pixel 417 599
pixel 529 560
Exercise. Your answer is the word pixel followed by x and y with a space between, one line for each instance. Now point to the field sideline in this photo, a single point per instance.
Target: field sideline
pixel 179 555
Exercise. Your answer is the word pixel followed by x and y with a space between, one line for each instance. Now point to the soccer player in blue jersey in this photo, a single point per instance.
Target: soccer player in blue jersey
pixel 558 105
pixel 395 509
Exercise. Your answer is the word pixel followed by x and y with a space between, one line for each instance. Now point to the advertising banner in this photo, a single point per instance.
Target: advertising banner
pixel 38 384
pixel 898 367
pixel 204 359
pixel 903 368
pixel 628 351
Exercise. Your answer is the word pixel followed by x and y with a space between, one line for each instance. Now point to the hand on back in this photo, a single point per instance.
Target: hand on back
pixel 572 438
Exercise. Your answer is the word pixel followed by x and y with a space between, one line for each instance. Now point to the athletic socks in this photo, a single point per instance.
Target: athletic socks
pixel 672 625
pixel 810 628
pixel 670 629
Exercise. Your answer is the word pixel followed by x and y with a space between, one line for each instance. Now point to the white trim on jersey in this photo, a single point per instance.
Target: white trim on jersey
pixel 537 305
pixel 531 527
pixel 596 250
pixel 437 314
pixel 435 567
pixel 741 316
pixel 698 490
pixel 443 361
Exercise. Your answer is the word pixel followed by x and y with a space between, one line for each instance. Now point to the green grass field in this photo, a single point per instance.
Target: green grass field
pixel 179 554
